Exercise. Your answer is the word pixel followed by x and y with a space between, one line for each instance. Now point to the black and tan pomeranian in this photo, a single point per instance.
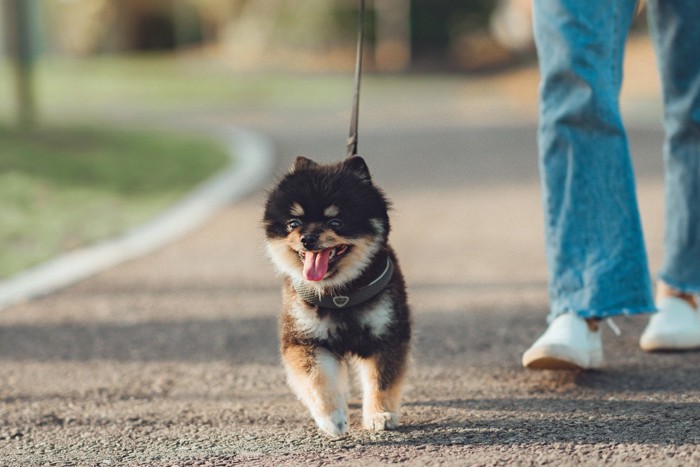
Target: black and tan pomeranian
pixel 344 298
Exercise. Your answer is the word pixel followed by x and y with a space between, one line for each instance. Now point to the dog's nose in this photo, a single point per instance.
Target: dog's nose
pixel 309 240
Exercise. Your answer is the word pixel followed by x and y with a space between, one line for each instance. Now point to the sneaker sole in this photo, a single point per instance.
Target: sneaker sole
pixel 551 363
pixel 668 345
pixel 558 358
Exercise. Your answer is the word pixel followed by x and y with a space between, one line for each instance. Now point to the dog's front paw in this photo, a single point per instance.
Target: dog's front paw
pixel 381 421
pixel 335 424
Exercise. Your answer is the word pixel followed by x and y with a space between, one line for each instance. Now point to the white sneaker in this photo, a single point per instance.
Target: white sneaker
pixel 567 344
pixel 676 326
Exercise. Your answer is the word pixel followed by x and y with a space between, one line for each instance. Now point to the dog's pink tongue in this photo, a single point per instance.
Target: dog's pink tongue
pixel 316 264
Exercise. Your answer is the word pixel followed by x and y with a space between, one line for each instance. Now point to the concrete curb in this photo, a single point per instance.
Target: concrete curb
pixel 254 162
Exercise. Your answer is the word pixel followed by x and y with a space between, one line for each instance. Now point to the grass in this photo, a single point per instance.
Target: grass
pixel 61 188
pixel 164 84
pixel 158 85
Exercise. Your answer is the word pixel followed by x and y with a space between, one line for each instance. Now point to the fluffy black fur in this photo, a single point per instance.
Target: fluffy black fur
pixel 339 206
pixel 315 187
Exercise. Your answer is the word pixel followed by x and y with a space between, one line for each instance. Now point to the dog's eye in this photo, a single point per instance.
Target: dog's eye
pixel 335 223
pixel 293 224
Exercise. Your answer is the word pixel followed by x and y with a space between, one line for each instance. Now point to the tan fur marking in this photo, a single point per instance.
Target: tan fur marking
pixel 296 210
pixel 298 359
pixel 380 408
pixel 331 211
pixel 294 239
pixel 329 239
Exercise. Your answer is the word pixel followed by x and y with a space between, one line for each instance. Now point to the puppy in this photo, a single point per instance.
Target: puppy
pixel 344 298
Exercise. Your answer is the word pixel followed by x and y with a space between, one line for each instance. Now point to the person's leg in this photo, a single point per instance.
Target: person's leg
pixel 594 243
pixel 675 28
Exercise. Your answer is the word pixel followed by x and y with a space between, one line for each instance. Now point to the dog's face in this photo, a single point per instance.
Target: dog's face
pixel 325 223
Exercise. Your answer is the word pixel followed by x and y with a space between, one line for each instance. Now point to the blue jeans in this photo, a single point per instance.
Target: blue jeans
pixel 594 241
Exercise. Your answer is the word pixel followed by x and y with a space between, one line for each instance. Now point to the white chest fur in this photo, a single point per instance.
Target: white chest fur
pixel 374 319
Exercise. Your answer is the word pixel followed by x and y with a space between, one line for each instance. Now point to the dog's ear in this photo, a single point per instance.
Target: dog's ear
pixel 359 166
pixel 301 163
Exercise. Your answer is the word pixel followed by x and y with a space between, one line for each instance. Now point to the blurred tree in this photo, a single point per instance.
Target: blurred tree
pixel 262 26
pixel 251 32
pixel 79 27
pixel 216 15
pixel 19 37
pixel 298 34
pixel 511 25
pixel 393 31
pixel 436 23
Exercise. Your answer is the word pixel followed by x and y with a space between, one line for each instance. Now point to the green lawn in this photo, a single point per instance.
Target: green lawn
pixel 62 188
pixel 157 85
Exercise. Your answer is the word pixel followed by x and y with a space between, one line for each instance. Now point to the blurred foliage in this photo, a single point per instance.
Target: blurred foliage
pixel 435 23
pixel 251 29
pixel 145 86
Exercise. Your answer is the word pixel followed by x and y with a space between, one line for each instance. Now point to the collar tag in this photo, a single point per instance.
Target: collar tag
pixel 340 301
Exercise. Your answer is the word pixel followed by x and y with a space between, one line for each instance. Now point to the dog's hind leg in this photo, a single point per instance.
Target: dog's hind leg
pixel 382 380
pixel 320 380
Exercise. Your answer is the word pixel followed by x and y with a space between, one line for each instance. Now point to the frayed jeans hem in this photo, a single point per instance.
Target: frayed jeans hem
pixel 603 314
pixel 680 286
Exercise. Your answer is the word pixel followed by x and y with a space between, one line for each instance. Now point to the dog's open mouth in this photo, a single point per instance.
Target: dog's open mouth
pixel 316 263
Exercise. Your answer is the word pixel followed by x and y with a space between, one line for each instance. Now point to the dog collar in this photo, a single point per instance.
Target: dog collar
pixel 361 295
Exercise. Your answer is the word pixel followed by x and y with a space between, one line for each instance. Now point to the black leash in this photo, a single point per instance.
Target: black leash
pixel 363 294
pixel 352 139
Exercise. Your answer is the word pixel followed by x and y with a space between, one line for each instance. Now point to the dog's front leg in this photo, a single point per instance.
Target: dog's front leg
pixel 382 377
pixel 320 380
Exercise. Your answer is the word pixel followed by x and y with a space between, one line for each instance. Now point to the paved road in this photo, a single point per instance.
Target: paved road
pixel 172 359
